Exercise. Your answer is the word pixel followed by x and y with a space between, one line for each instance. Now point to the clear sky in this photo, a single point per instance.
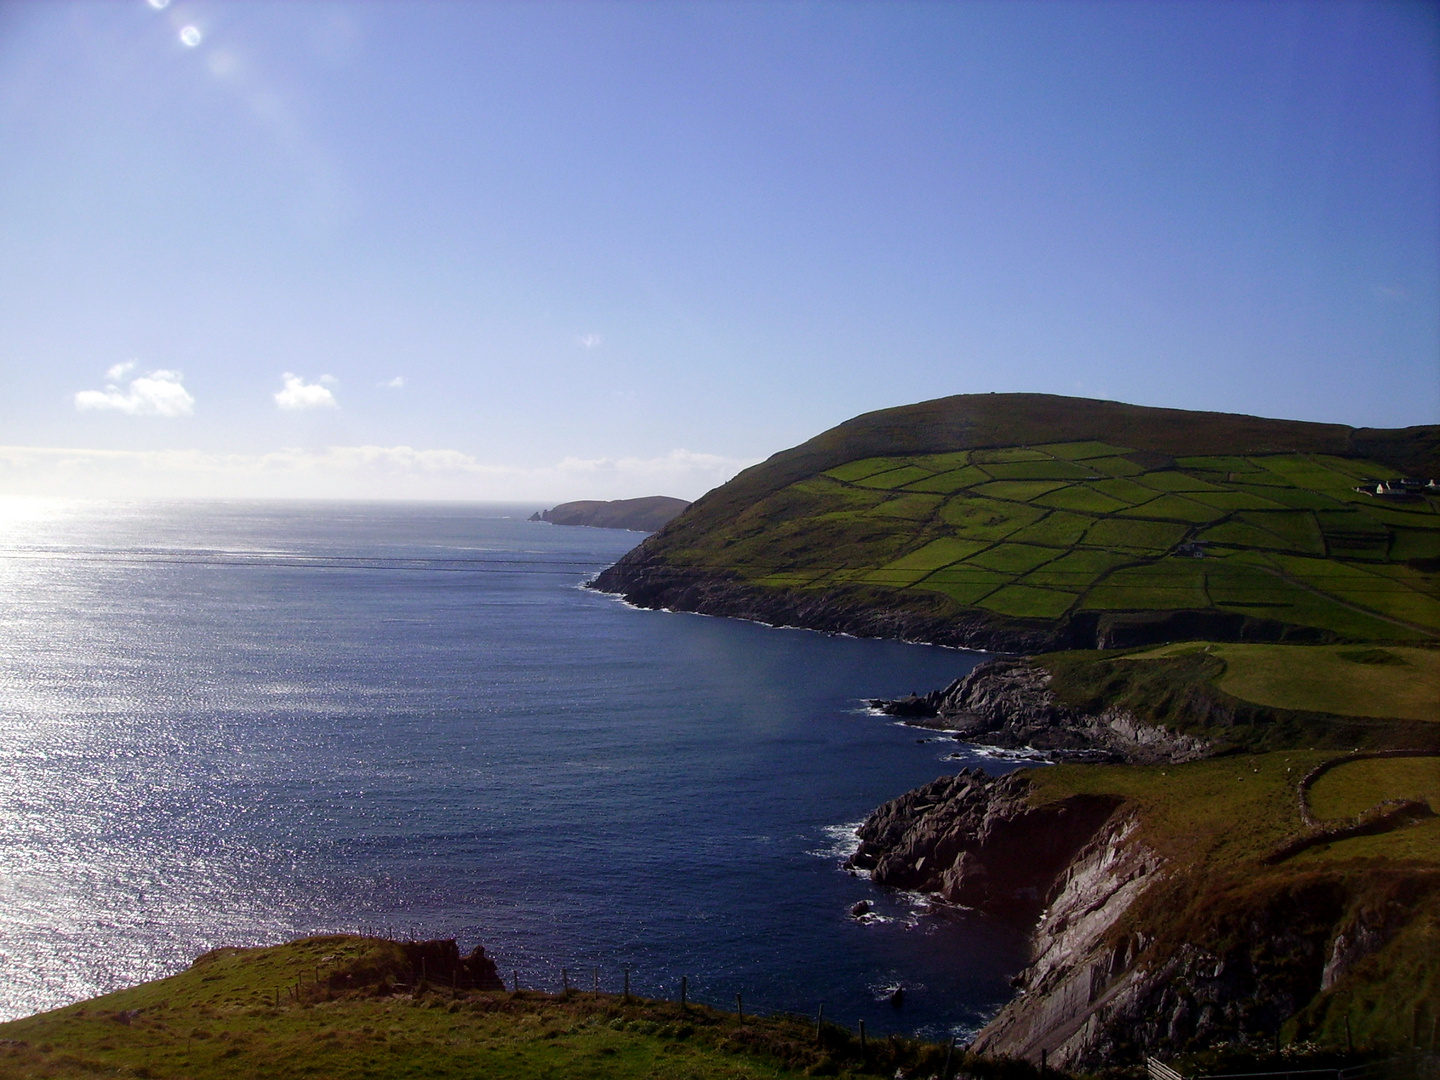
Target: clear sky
pixel 557 250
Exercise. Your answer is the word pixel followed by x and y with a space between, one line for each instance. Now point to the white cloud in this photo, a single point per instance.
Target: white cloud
pixel 119 371
pixel 298 394
pixel 159 393
pixel 397 383
pixel 352 472
pixel 588 341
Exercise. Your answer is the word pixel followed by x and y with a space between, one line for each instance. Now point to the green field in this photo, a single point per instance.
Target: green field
pixel 1039 532
pixel 1396 681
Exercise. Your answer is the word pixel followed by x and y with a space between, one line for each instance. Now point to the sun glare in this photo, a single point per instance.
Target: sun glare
pixel 190 35
pixel 159 5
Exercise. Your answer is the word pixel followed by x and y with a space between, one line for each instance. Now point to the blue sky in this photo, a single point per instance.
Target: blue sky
pixel 547 251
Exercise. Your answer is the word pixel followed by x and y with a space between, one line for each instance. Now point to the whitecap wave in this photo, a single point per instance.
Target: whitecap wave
pixel 838 841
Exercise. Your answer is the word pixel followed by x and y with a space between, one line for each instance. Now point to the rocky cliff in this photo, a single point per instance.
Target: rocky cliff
pixel 1133 951
pixel 1009 703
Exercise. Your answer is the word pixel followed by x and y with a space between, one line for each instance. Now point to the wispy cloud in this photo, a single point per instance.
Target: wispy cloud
pixel 397 383
pixel 298 394
pixel 588 341
pixel 158 393
pixel 355 472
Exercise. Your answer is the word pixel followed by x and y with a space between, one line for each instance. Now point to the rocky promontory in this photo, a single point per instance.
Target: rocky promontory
pixel 1009 703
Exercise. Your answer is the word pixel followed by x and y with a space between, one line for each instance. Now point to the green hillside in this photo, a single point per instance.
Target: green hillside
pixel 1251 527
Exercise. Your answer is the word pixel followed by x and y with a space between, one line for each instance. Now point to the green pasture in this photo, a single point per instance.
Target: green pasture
pixel 1056 529
pixel 1028 602
pixel 1352 788
pixel 951 481
pixel 1039 532
pixel 1006 454
pixel 1018 490
pixel 1166 585
pixel 1079 451
pixel 1083 499
pixel 1013 558
pixel 1172 508
pixel 1348 680
pixel 1115 466
pixel 1045 469
pixel 894 478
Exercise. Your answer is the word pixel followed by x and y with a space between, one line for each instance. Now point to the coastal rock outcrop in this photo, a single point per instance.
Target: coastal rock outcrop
pixel 976 841
pixel 1008 703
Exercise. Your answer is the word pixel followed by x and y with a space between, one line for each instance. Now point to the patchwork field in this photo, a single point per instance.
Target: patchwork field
pixel 1049 531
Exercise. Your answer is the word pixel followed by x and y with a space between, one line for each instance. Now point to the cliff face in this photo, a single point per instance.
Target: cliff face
pixel 1009 703
pixel 976 841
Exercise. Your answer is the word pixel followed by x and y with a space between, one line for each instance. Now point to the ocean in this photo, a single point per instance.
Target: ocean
pixel 237 723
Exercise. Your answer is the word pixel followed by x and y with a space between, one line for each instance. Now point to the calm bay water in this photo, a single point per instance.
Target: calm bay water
pixel 236 723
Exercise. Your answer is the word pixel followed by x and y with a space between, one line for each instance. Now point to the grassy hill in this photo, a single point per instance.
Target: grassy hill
pixel 1029 520
pixel 351 1007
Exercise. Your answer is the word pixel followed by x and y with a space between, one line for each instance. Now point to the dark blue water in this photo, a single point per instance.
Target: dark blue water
pixel 239 723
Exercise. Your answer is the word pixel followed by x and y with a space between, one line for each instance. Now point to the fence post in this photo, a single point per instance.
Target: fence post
pixel 949 1053
pixel 862 1039
pixel 627 982
pixel 682 991
pixel 515 975
pixel 819 1021
pixel 739 1007
pixel 564 982
pixel 597 983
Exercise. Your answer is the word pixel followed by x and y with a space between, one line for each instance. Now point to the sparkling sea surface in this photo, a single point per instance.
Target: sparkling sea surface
pixel 239 723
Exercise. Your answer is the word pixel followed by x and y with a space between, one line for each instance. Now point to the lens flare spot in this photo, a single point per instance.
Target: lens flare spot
pixel 190 36
pixel 159 5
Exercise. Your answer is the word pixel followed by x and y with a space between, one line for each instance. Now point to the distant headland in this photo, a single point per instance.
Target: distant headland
pixel 649 514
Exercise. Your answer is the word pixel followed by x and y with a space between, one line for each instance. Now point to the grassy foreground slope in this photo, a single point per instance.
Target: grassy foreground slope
pixel 348 1007
pixel 1038 521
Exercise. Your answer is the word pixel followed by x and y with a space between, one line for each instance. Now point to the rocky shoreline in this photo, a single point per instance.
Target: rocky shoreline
pixel 1007 703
